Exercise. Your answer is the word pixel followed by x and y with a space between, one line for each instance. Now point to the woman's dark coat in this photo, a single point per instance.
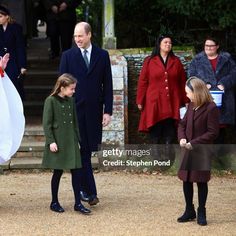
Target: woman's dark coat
pixel 200 128
pixel 61 126
pixel 225 75
pixel 12 42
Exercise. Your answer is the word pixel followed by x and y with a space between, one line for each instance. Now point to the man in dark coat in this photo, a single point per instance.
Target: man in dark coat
pixel 61 19
pixel 90 65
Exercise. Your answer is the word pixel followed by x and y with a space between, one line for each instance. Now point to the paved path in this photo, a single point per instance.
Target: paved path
pixel 130 204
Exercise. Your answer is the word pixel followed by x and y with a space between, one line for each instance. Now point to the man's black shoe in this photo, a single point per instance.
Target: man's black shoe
pixel 84 196
pixel 81 209
pixel 93 200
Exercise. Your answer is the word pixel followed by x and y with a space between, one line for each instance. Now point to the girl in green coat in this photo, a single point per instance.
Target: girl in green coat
pixel 62 139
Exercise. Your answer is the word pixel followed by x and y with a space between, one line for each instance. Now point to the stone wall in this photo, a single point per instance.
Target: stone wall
pixel 116 132
pixel 126 66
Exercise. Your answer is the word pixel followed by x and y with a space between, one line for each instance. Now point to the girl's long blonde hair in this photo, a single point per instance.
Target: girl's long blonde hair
pixel 200 91
pixel 63 81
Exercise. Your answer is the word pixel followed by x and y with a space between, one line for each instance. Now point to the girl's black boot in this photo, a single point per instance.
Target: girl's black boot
pixel 189 214
pixel 201 216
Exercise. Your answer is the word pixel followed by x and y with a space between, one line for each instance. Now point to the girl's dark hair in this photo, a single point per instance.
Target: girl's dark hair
pixel 156 49
pixel 63 81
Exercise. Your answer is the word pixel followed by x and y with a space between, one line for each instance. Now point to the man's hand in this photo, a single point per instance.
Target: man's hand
pixel 23 71
pixel 106 119
pixel 54 9
pixel 62 7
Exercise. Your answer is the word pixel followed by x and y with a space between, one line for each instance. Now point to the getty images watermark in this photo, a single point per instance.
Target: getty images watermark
pixel 137 156
pixel 203 157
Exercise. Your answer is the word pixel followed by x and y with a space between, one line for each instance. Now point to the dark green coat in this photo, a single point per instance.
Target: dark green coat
pixel 61 126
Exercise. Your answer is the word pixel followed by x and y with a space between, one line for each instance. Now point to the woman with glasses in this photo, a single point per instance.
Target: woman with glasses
pixel 218 70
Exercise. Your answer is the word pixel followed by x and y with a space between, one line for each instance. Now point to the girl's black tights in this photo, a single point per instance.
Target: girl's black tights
pixel 202 193
pixel 56 181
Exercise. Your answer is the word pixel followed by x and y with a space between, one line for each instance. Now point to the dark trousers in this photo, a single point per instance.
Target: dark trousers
pixel 87 180
pixel 164 131
pixel 202 194
pixel 86 174
pixel 60 33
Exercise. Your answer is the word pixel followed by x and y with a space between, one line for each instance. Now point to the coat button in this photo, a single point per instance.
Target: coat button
pixel 71 122
pixel 64 122
pixel 167 88
pixel 70 114
pixel 166 80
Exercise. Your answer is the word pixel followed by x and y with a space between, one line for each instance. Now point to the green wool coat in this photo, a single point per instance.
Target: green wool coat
pixel 61 126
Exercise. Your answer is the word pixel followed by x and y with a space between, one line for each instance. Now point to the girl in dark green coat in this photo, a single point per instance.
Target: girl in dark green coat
pixel 62 139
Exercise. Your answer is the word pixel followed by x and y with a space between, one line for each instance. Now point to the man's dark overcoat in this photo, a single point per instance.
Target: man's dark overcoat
pixel 94 94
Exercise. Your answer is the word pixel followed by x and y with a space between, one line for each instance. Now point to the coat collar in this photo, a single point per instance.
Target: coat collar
pixel 195 114
pixel 170 62
pixel 94 57
pixel 207 64
pixel 222 59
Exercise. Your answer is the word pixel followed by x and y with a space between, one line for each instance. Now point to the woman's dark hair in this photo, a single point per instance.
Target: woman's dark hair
pixel 156 49
pixel 212 39
pixel 4 11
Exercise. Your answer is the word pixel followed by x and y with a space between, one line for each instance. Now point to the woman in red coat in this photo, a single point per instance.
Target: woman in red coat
pixel 200 126
pixel 160 92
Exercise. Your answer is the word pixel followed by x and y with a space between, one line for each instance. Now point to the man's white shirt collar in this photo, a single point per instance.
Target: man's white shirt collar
pixel 89 50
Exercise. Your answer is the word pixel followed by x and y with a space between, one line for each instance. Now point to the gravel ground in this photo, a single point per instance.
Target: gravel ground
pixel 130 204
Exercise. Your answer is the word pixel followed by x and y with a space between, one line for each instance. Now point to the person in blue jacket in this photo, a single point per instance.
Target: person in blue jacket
pixel 61 20
pixel 12 42
pixel 218 70
pixel 91 67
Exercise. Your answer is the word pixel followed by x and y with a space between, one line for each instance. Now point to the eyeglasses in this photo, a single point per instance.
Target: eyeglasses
pixel 210 46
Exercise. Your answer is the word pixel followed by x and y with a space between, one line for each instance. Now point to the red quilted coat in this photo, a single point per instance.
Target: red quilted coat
pixel 161 91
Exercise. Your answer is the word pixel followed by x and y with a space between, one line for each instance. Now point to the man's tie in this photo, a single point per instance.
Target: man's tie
pixel 86 58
